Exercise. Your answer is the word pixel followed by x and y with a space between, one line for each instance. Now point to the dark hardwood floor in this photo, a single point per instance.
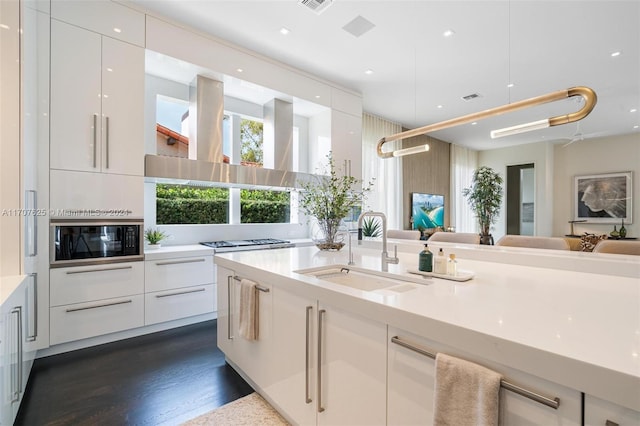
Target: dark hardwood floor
pixel 163 378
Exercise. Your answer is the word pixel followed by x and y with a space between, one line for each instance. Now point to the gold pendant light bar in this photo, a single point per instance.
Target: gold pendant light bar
pixel 585 92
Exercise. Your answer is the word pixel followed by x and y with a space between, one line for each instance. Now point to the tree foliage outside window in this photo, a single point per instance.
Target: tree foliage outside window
pixel 257 206
pixel 251 137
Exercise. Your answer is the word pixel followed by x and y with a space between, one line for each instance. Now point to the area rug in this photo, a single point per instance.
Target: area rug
pixel 251 410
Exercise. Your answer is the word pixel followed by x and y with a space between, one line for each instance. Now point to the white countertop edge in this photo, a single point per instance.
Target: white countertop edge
pixel 599 381
pixel 178 251
pixel 8 285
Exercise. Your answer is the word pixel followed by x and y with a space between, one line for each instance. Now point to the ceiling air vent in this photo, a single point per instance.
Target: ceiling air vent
pixel 471 97
pixel 318 6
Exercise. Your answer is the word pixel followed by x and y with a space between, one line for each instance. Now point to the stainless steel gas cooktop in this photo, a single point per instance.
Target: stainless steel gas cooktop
pixel 238 245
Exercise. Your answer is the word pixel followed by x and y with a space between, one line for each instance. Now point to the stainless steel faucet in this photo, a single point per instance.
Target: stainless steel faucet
pixel 385 256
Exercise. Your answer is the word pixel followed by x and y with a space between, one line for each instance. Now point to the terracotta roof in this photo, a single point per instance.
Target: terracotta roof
pixel 171 134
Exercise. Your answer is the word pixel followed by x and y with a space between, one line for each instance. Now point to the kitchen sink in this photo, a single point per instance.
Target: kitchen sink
pixel 364 279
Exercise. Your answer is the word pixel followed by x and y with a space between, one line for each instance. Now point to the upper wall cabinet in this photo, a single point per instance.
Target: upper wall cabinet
pixel 97 102
pixel 104 17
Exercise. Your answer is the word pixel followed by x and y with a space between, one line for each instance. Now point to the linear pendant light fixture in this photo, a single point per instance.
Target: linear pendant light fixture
pixel 585 92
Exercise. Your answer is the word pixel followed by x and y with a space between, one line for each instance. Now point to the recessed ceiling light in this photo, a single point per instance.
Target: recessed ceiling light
pixel 633 110
pixel 117 30
pixel 369 72
pixel 239 70
pixel 439 107
pixel 110 69
pixel 448 33
pixel 474 123
pixel 4 26
pixel 510 85
pixel 617 53
pixel 636 126
pixel 284 31
pixel 317 96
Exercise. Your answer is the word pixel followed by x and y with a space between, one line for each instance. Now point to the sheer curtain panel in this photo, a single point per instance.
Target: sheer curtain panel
pixel 463 162
pixel 386 194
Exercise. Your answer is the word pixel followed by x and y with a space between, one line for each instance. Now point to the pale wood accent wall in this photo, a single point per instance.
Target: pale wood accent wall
pixel 427 172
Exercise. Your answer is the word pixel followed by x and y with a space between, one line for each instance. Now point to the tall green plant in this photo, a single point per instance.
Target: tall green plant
pixel 329 198
pixel 484 197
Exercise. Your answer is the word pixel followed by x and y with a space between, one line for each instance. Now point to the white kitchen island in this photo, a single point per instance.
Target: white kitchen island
pixel 555 330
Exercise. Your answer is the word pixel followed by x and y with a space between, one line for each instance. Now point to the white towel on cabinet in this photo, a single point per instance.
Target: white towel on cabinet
pixel 465 393
pixel 249 313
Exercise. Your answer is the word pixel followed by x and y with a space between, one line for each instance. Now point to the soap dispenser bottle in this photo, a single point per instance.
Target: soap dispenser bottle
pixel 425 261
pixel 452 265
pixel 440 263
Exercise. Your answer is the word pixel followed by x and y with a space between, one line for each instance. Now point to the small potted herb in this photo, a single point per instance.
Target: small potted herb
pixel 153 237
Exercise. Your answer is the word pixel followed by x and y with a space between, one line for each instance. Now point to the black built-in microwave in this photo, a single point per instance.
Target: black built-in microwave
pixel 81 242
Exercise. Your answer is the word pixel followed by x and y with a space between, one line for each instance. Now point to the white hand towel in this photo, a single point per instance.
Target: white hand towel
pixel 465 393
pixel 248 310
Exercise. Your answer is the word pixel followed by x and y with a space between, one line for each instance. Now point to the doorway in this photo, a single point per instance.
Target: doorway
pixel 520 191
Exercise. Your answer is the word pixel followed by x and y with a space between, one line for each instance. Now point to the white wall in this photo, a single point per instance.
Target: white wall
pixel 541 155
pixel 594 156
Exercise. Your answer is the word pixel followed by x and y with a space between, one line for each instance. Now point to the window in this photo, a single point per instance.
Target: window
pixel 172 127
pixel 251 137
pixel 183 204
pixel 257 206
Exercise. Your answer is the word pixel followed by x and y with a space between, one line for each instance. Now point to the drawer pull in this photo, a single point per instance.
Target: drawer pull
pixel 180 292
pixel 100 306
pixel 99 270
pixel 176 262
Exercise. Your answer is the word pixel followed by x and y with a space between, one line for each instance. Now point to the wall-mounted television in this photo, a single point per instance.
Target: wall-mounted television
pixel 427 210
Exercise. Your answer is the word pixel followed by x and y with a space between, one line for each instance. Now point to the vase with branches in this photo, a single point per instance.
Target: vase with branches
pixel 329 197
pixel 485 197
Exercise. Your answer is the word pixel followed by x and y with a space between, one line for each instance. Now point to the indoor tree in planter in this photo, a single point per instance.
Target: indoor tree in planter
pixel 329 198
pixel 484 197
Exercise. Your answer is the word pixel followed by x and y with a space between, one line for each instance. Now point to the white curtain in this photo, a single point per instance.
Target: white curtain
pixel 386 194
pixel 463 162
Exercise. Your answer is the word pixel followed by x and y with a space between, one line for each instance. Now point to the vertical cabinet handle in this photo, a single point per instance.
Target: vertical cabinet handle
pixel 107 142
pixel 321 313
pixel 95 138
pixel 229 306
pixel 307 369
pixel 31 206
pixel 34 336
pixel 18 370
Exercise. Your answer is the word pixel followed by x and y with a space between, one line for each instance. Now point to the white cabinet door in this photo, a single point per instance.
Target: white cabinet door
pixel 161 306
pixel 75 98
pixel 293 388
pixel 122 108
pixel 602 413
pixel 352 380
pixel 224 292
pixel 97 102
pixel 411 377
pixel 167 274
pixel 346 142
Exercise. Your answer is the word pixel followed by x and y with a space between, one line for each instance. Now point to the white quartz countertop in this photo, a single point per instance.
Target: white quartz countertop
pixel 8 285
pixel 170 252
pixel 577 329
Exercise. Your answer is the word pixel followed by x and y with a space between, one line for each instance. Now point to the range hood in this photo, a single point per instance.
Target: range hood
pixel 205 165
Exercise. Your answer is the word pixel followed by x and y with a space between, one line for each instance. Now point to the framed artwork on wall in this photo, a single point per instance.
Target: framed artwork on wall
pixel 604 198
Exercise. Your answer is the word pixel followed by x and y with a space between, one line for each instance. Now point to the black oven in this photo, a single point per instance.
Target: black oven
pixel 75 242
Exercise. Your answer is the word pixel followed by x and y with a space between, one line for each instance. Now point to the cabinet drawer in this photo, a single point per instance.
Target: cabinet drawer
pixel 181 303
pixel 84 320
pixel 167 274
pixel 96 282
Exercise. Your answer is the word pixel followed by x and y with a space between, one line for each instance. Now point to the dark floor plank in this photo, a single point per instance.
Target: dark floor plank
pixel 161 378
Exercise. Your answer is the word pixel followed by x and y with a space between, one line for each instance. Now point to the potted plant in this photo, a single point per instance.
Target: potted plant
pixel 329 198
pixel 153 237
pixel 484 197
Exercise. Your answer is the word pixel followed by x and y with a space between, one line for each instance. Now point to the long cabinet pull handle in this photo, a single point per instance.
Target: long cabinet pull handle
pixel 117 268
pixel 230 318
pixel 107 142
pixel 32 337
pixel 321 313
pixel 177 262
pixel 307 369
pixel 179 293
pixel 18 370
pixel 103 305
pixel 553 402
pixel 31 205
pixel 95 138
